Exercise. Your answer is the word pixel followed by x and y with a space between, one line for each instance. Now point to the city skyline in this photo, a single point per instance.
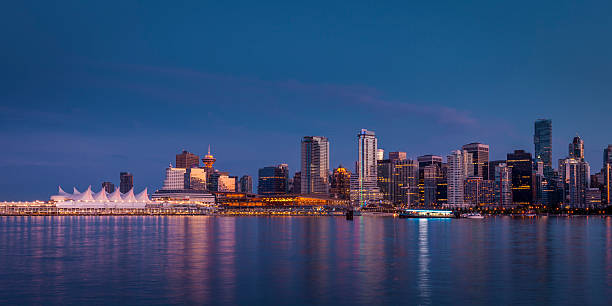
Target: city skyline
pixel 110 94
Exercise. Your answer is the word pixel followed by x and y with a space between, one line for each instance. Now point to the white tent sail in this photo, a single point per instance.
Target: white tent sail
pixel 115 196
pixel 87 195
pixel 101 196
pixel 129 196
pixel 143 196
pixel 75 191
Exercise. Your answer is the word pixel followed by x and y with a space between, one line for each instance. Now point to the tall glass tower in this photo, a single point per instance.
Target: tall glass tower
pixel 364 188
pixel 315 165
pixel 542 139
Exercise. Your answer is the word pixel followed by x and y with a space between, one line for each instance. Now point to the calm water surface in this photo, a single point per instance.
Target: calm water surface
pixel 304 260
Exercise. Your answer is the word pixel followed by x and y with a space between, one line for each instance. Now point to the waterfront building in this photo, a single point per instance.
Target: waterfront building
pixel 607 156
pixel 315 165
pixel 341 183
pixel 479 192
pixel 175 178
pixel 108 187
pixel 592 198
pixel 187 160
pixel 432 183
pixel 221 182
pixel 492 165
pixel 364 187
pixel 273 180
pixel 89 199
pixel 398 181
pixel 380 154
pixel 184 195
pixel 576 149
pixel 480 158
pixel 246 184
pixel 460 167
pixel 575 176
pixel 126 182
pixel 195 179
pixel 503 185
pixel 607 181
pixel 542 140
pixel 442 187
pixel 522 177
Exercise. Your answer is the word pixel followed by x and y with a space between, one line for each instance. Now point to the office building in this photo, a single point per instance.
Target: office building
pixel 432 187
pixel 522 177
pixel 341 183
pixel 479 192
pixel 503 185
pixel 364 188
pixel 297 183
pixel 195 179
pixel 576 149
pixel 221 182
pixel 397 155
pixel 175 178
pixel 273 180
pixel 542 139
pixel 315 165
pixel 246 184
pixel 380 154
pixel 187 160
pixel 398 181
pixel 460 167
pixel 480 158
pixel 108 187
pixel 126 182
pixel 607 156
pixel 593 198
pixel 575 177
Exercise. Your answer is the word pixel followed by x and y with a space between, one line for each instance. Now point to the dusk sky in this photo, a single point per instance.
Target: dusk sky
pixel 92 88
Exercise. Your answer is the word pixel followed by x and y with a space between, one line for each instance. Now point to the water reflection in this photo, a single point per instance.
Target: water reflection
pixel 303 260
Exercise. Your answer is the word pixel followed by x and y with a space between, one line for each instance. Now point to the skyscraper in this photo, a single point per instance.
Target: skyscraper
pixel 273 180
pixel 398 181
pixel 364 187
pixel 542 139
pixel 380 154
pixel 431 180
pixel 479 192
pixel 195 179
pixel 460 167
pixel 315 165
pixel 575 176
pixel 576 148
pixel 126 182
pixel 607 156
pixel 187 160
pixel 480 158
pixel 246 184
pixel 522 177
pixel 503 185
pixel 108 187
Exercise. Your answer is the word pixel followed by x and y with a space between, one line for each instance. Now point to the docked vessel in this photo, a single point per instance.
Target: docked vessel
pixel 472 216
pixel 426 213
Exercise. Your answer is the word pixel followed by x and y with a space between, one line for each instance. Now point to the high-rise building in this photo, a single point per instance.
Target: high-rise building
pixel 108 187
pixel 187 160
pixel 398 181
pixel 432 187
pixel 503 185
pixel 221 182
pixel 575 177
pixel 315 165
pixel 246 184
pixel 364 189
pixel 542 139
pixel 607 156
pixel 576 148
pixel 195 179
pixel 397 155
pixel 297 183
pixel 341 183
pixel 273 180
pixel 209 161
pixel 592 198
pixel 522 177
pixel 607 188
pixel 380 154
pixel 175 178
pixel 460 167
pixel 126 182
pixel 479 192
pixel 480 158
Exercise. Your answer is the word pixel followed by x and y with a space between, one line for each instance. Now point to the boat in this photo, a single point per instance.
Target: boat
pixel 472 216
pixel 426 213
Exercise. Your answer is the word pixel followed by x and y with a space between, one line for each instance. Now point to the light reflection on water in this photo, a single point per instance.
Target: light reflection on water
pixel 304 260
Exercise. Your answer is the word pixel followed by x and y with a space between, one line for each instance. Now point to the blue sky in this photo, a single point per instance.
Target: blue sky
pixel 89 89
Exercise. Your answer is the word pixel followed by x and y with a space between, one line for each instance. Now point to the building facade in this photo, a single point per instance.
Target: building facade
pixel 480 159
pixel 187 160
pixel 460 167
pixel 108 187
pixel 341 183
pixel 542 140
pixel 246 184
pixel 398 181
pixel 503 185
pixel 523 191
pixel 315 165
pixel 126 182
pixel 273 180
pixel 364 185
pixel 576 149
pixel 575 178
